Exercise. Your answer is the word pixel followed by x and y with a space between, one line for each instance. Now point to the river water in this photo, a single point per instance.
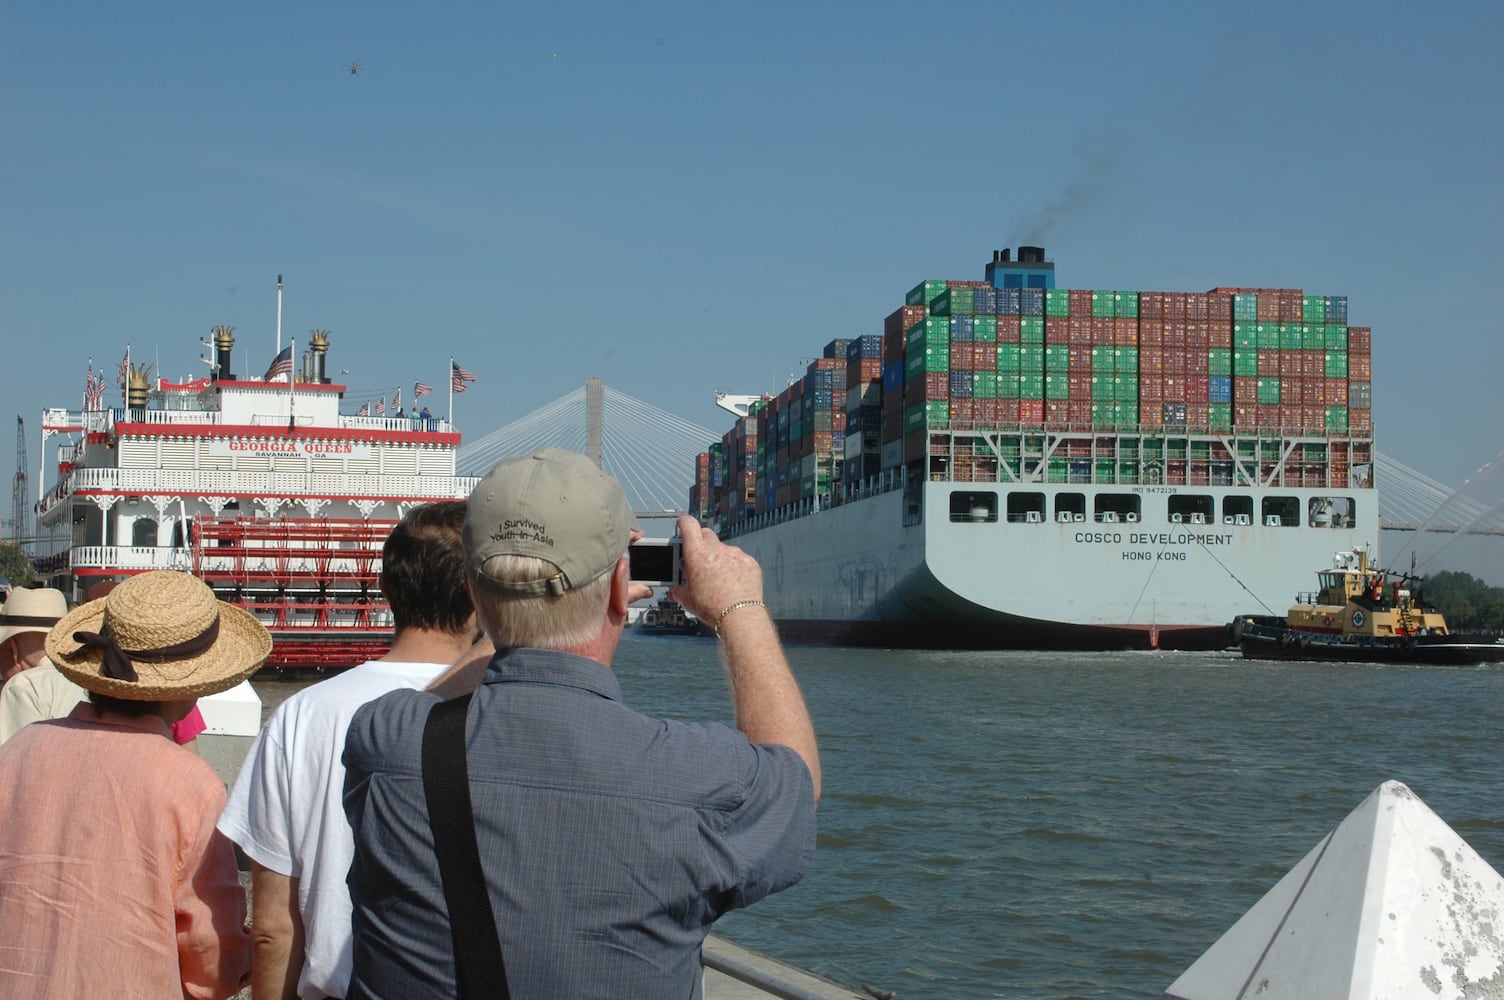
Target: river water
pixel 1077 824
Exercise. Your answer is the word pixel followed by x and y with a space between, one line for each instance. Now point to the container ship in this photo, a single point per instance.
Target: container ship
pixel 1014 465
pixel 263 488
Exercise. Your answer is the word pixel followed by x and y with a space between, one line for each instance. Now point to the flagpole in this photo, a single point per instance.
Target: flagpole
pixel 279 315
pixel 451 392
pixel 292 375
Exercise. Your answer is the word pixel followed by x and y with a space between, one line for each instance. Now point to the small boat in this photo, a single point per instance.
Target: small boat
pixel 668 617
pixel 1360 615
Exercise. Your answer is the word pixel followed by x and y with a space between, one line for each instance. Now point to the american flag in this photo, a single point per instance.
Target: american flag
pixel 125 366
pixel 458 377
pixel 94 391
pixel 421 389
pixel 364 411
pixel 380 404
pixel 397 400
pixel 281 364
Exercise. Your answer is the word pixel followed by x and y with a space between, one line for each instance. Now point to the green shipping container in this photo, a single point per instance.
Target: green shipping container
pixel 1245 306
pixel 1102 304
pixel 1218 361
pixel 1031 385
pixel 1008 357
pixel 1268 392
pixel 924 293
pixel 1336 336
pixel 1336 364
pixel 1057 302
pixel 984 328
pixel 1125 305
pixel 1057 385
pixel 1268 338
pixel 1290 338
pixel 984 385
pixel 1219 416
pixel 1031 359
pixel 1245 362
pixel 1245 334
pixel 1057 358
pixel 1313 309
pixel 1125 360
pixel 1106 469
pixel 1102 358
pixel 1031 329
pixel 1125 388
pixel 1102 386
pixel 1007 385
pixel 1336 419
pixel 1057 470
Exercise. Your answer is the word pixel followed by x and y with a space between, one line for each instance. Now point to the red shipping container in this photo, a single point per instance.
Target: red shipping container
pixel 1218 307
pixel 983 356
pixel 1313 418
pixel 1057 330
pixel 1292 390
pixel 1057 412
pixel 1360 366
pixel 1007 329
pixel 1080 301
pixel 936 385
pixel 1174 363
pixel 1007 412
pixel 961 355
pixel 1245 389
pixel 1268 307
pixel 1078 383
pixel 1359 340
pixel 1151 389
pixel 1197 361
pixel 1334 392
pixel 1197 414
pixel 1101 330
pixel 1290 364
pixel 1151 305
pixel 1196 389
pixel 986 411
pixel 1281 415
pixel 1079 358
pixel 1151 361
pixel 1175 305
pixel 1031 411
pixel 1218 333
pixel 1080 330
pixel 1244 415
pixel 1151 416
pixel 1125 332
pixel 1080 412
pixel 1268 362
pixel 962 410
pixel 1151 332
pixel 1175 333
pixel 1359 421
pixel 1174 386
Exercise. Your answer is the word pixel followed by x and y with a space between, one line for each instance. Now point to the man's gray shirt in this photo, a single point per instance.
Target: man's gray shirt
pixel 610 841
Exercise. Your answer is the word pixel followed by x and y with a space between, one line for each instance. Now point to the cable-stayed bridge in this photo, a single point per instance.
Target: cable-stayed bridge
pixel 652 452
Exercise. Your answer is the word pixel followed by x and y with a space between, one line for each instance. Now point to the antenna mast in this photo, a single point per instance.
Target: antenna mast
pixel 20 509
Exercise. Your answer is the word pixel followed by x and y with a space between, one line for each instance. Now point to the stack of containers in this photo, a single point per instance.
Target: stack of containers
pixel 966 355
pixel 864 394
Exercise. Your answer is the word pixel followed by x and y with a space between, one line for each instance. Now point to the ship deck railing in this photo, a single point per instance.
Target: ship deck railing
pixel 104 421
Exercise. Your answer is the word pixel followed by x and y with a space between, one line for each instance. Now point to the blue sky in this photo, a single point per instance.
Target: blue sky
pixel 685 197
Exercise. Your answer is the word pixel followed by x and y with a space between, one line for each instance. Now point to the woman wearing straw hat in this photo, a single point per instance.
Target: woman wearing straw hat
pixel 24 622
pixel 112 876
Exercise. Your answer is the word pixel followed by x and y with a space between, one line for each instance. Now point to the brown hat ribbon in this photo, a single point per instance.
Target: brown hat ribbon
pixel 117 662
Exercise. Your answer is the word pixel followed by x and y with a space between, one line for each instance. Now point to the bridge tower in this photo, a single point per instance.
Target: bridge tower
pixel 594 418
pixel 20 508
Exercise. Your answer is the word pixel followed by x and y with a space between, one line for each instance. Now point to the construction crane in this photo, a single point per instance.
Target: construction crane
pixel 20 506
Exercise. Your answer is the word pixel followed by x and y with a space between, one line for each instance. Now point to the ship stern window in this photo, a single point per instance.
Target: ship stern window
pixel 1027 507
pixel 1280 512
pixel 143 532
pixel 1237 510
pixel 1116 507
pixel 1330 512
pixel 974 507
pixel 1192 509
pixel 1070 507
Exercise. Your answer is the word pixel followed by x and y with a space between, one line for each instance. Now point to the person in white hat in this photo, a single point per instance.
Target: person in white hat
pixel 608 842
pixel 113 877
pixel 24 622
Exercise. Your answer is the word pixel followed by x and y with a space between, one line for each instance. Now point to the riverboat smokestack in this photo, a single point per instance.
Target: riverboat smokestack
pixel 318 346
pixel 137 389
pixel 224 346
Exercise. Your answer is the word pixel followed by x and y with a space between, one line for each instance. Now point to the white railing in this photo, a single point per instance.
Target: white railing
pixel 129 557
pixel 205 482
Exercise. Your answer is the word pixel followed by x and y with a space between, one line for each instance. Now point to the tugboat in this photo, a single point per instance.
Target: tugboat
pixel 667 617
pixel 1361 616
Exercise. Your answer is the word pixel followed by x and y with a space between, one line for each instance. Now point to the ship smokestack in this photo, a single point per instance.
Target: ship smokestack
pixel 224 346
pixel 1001 256
pixel 137 390
pixel 1031 255
pixel 318 345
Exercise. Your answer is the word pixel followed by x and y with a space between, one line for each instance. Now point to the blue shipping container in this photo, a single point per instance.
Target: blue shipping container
pixel 1219 389
pixel 869 346
pixel 1031 301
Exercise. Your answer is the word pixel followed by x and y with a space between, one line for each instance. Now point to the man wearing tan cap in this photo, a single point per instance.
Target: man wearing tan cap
pixel 608 842
pixel 113 878
pixel 24 622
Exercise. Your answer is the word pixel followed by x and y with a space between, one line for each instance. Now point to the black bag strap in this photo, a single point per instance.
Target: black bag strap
pixel 479 968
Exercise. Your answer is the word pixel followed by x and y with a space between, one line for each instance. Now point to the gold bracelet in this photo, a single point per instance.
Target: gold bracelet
pixel 735 607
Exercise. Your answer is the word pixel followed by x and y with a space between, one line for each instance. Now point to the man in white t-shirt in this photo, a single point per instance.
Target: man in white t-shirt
pixel 286 812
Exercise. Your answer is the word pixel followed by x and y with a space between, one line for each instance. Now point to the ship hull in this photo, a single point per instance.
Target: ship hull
pixel 1264 638
pixel 878 571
